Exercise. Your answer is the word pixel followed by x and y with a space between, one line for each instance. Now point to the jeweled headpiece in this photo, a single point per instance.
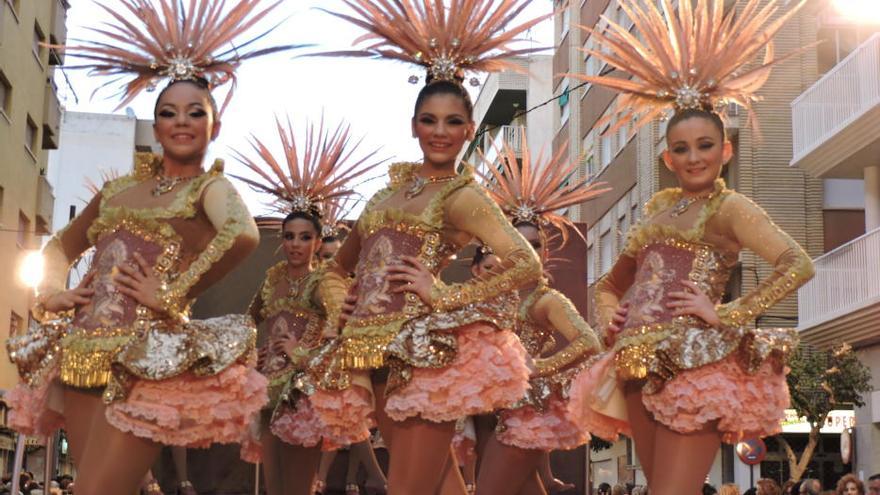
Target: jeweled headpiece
pixel 533 192
pixel 307 182
pixel 334 213
pixel 152 40
pixel 465 36
pixel 689 58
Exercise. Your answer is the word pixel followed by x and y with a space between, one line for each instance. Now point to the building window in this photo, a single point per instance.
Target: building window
pixel 24 230
pixel 589 159
pixel 606 145
pixel 30 135
pixel 16 324
pixel 566 21
pixel 564 105
pixel 37 46
pixel 5 95
pixel 591 265
pixel 606 255
pixel 622 227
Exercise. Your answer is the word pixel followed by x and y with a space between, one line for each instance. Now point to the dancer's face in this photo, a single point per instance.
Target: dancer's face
pixel 442 126
pixel 695 153
pixel 185 122
pixel 300 241
pixel 533 237
pixel 851 489
pixel 328 249
pixel 488 265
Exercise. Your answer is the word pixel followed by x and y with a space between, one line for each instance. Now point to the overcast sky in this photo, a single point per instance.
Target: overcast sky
pixel 373 96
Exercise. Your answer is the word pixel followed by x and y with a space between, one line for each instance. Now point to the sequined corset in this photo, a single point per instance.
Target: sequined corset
pixel 387 236
pixel 660 269
pixel 111 319
pixel 110 309
pixel 302 325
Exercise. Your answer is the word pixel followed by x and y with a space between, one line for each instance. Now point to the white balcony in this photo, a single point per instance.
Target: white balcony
pixel 836 122
pixel 509 135
pixel 842 302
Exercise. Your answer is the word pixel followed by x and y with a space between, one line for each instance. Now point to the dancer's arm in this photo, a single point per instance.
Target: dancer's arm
pixel 237 236
pixel 471 210
pixel 330 295
pixel 752 228
pixel 58 254
pixel 611 288
pixel 561 315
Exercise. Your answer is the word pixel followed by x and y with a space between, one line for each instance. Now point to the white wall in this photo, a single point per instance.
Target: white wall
pixel 539 122
pixel 91 143
pixel 844 194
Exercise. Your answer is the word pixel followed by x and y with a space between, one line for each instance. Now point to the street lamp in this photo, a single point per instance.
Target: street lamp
pixel 30 272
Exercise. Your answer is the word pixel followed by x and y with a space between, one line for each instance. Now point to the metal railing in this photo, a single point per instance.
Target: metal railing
pixel 847 279
pixel 841 96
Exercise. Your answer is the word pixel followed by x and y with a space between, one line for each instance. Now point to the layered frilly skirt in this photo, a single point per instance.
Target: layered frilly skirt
pixel 441 367
pixel 187 385
pixel 741 385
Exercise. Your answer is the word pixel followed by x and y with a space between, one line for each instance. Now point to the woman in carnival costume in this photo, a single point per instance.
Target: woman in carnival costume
pixel 686 371
pixel 531 193
pixel 429 352
pixel 116 361
pixel 299 304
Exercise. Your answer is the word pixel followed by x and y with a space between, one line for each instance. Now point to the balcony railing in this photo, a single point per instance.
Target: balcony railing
pixel 847 279
pixel 840 97
pixel 51 117
pixel 509 135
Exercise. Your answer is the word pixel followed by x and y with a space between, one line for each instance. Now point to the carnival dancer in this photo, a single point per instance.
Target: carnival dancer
pixel 116 360
pixel 531 193
pixel 692 372
pixel 299 303
pixel 433 352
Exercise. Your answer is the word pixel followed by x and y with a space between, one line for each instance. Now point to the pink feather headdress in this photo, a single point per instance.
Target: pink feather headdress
pixel 533 191
pixel 152 40
pixel 310 179
pixel 466 35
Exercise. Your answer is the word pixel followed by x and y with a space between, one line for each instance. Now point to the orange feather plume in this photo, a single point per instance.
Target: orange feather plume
pixel 310 178
pixel 152 40
pixel 465 35
pixel 533 192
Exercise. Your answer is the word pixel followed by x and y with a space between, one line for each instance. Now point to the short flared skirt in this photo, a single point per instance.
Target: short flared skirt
pixel 487 373
pixel 187 410
pixel 741 404
pixel 549 429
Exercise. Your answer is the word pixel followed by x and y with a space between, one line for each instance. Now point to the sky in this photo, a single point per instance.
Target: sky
pixel 374 97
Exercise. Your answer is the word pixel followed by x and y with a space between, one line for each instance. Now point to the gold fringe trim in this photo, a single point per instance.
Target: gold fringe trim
pixel 365 352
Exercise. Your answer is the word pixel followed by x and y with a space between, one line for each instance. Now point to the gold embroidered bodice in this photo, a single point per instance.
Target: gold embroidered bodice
pixel 431 227
pixel 190 236
pixel 702 246
pixel 296 308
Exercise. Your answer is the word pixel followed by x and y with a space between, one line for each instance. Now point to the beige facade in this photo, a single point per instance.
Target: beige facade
pixel 29 126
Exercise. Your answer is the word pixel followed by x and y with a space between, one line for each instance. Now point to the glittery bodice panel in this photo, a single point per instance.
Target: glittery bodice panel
pixel 661 268
pixel 381 250
pixel 297 324
pixel 110 308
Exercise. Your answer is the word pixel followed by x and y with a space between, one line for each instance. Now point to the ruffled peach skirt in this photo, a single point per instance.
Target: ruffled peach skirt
pixel 347 414
pixel 32 410
pixel 527 428
pixel 192 411
pixel 590 393
pixel 488 373
pixel 745 405
pixel 300 425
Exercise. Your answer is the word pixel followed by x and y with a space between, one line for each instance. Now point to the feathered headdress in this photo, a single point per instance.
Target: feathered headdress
pixel 310 180
pixel 532 192
pixel 334 213
pixel 468 35
pixel 153 40
pixel 687 58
